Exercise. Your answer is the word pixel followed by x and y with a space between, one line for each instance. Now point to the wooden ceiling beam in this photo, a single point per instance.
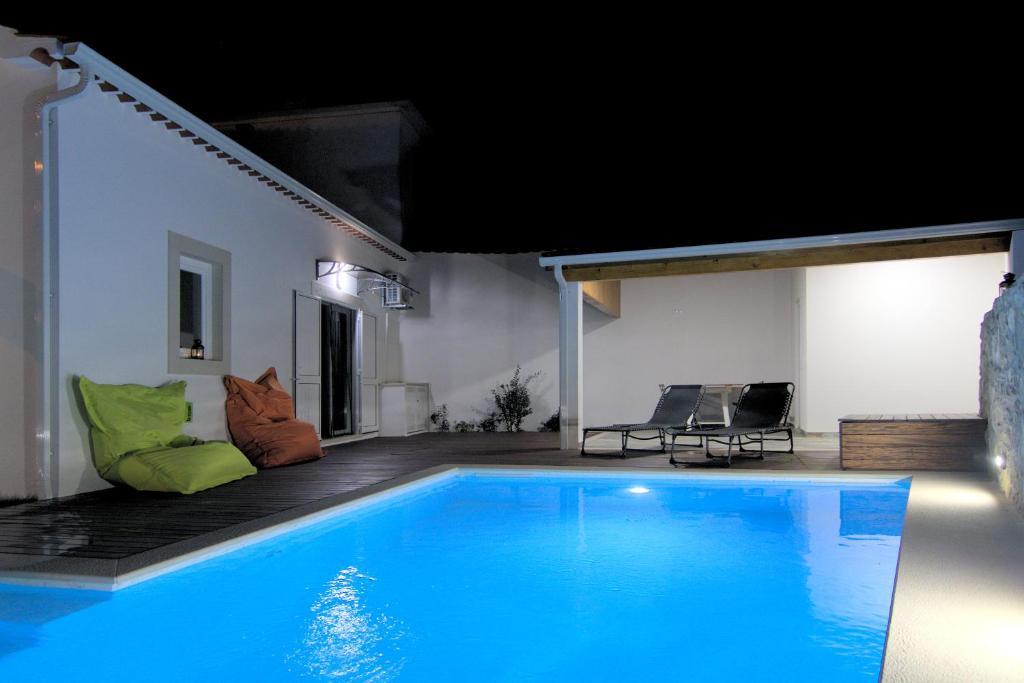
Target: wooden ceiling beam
pixel 795 258
pixel 605 296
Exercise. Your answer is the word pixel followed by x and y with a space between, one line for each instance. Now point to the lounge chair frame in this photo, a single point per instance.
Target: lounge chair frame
pixel 666 415
pixel 753 433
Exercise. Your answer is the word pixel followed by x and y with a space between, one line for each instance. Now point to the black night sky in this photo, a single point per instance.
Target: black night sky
pixel 612 133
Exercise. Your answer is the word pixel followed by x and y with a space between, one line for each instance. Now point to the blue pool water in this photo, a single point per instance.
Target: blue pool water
pixel 484 577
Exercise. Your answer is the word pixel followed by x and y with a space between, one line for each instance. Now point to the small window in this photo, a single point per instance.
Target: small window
pixel 195 318
pixel 198 304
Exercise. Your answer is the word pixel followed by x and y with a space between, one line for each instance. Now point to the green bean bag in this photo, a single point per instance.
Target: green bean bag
pixel 137 441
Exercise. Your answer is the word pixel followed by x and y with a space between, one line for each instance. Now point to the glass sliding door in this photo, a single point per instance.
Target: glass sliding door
pixel 337 349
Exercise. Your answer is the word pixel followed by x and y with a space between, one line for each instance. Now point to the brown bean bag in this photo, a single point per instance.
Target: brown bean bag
pixel 263 424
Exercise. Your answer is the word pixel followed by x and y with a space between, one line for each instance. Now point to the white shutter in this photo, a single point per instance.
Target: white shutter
pixel 369 420
pixel 306 381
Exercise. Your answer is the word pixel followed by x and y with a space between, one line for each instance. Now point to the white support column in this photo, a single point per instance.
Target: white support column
pixel 1015 263
pixel 570 358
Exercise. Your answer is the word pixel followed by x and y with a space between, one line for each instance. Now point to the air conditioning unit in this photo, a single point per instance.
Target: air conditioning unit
pixel 396 293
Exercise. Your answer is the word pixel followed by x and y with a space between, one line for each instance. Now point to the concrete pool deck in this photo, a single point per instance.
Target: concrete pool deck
pixel 958 608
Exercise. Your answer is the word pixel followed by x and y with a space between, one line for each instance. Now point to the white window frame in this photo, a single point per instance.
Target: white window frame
pixel 214 267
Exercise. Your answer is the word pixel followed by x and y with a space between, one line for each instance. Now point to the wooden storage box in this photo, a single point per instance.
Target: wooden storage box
pixel 923 441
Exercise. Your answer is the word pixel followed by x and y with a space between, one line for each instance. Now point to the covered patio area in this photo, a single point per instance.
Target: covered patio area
pixel 863 323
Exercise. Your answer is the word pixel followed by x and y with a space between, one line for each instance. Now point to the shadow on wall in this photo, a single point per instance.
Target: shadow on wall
pixel 89 473
pixel 20 341
pixel 13 288
pixel 524 267
pixel 518 270
pixel 594 320
pixel 478 317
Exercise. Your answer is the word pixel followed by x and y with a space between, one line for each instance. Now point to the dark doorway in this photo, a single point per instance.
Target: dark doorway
pixel 337 349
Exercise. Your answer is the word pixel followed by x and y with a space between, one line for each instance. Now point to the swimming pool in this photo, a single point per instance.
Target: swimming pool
pixel 508 576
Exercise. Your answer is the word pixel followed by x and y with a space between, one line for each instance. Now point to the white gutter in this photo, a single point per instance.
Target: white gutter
pixel 100 65
pixel 849 239
pixel 48 435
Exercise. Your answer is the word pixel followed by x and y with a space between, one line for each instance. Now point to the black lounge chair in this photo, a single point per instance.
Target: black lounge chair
pixel 761 409
pixel 678 403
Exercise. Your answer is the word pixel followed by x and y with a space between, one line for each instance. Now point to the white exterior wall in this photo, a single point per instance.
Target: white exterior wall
pixel 482 315
pixel 124 182
pixel 485 314
pixel 696 329
pixel 889 337
pixel 894 337
pixel 20 275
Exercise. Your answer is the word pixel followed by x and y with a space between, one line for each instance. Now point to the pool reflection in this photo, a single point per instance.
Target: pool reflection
pixel 348 639
pixel 849 534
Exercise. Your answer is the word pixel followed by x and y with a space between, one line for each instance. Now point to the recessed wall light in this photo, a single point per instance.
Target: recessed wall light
pixel 1001 462
pixel 639 489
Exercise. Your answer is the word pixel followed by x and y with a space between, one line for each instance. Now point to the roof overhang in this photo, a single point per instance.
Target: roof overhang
pixel 821 250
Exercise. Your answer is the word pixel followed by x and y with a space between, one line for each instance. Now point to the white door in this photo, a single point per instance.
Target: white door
pixel 306 379
pixel 417 398
pixel 369 384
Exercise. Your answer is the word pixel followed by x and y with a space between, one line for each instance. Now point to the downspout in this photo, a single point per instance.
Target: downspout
pixel 48 434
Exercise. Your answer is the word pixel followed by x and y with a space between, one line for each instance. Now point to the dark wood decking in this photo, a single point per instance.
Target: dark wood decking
pixel 118 523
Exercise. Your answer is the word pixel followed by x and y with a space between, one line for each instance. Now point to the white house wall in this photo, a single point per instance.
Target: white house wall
pixel 484 314
pixel 895 337
pixel 20 275
pixel 125 181
pixel 696 329
pixel 887 337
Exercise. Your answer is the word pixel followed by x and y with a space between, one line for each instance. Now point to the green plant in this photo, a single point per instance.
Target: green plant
pixel 512 400
pixel 440 418
pixel 462 426
pixel 489 423
pixel 553 423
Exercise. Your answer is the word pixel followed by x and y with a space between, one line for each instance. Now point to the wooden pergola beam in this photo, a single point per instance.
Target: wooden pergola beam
pixel 605 296
pixel 795 258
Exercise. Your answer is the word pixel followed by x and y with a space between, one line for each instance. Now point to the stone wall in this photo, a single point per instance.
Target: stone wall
pixel 1002 368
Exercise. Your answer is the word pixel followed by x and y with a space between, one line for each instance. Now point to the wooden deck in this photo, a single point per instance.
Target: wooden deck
pixel 114 524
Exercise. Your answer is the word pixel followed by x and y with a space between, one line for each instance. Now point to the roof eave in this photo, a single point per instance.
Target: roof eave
pixel 789 243
pixel 147 95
